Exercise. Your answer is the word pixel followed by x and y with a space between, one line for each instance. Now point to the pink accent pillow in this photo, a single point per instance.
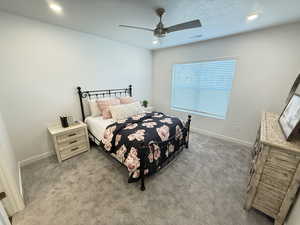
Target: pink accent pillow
pixel 126 100
pixel 106 114
pixel 104 106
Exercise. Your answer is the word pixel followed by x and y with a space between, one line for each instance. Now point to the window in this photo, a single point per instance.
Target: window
pixel 203 88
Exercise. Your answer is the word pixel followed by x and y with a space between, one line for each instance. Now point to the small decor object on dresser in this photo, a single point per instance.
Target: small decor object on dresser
pixel 69 141
pixel 293 89
pixel 64 121
pixel 289 119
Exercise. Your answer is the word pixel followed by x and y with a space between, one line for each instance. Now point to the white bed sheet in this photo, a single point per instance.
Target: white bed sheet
pixel 97 125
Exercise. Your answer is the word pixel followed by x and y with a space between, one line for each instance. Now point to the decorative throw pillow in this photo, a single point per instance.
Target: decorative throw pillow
pixel 106 114
pixel 123 111
pixel 126 100
pixel 104 105
pixel 94 109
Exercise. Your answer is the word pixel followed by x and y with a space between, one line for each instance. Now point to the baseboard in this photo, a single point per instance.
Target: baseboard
pixel 35 158
pixel 223 137
pixel 20 180
pixel 196 130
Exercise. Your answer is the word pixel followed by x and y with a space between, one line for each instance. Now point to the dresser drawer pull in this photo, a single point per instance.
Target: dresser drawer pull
pixel 72 142
pixel 74 149
pixel 249 188
pixel 251 171
pixel 70 135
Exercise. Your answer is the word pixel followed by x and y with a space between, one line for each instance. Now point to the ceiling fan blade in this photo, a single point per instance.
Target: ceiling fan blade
pixel 139 28
pixel 184 26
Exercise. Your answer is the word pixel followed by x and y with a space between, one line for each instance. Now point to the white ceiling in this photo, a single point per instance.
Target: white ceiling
pixel 102 17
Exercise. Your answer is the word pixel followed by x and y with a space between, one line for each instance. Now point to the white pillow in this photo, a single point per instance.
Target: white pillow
pixel 94 109
pixel 121 112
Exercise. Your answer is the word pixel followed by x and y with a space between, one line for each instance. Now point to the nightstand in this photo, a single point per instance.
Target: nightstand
pixel 149 109
pixel 69 141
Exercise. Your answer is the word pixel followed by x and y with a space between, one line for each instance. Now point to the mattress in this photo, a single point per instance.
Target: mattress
pixel 97 125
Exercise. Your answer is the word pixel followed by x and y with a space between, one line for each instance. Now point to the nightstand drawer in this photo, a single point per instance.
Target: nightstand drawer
pixel 73 151
pixel 72 143
pixel 72 135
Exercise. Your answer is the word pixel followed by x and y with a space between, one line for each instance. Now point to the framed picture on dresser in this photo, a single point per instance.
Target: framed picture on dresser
pixel 289 119
pixel 294 89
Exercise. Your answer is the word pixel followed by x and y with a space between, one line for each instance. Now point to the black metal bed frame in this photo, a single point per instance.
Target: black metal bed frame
pixel 96 94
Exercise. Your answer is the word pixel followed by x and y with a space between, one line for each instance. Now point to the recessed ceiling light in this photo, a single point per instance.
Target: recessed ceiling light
pixel 252 17
pixel 55 7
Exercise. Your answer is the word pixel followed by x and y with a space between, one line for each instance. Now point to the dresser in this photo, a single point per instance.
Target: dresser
pixel 69 141
pixel 274 175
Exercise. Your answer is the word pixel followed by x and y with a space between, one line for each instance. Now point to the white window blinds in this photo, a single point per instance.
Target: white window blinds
pixel 203 88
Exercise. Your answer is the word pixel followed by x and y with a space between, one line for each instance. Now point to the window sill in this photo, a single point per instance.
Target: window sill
pixel 199 113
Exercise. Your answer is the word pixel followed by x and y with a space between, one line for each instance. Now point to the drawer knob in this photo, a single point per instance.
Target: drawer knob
pixel 249 188
pixel 70 135
pixel 72 142
pixel 2 195
pixel 73 149
pixel 251 171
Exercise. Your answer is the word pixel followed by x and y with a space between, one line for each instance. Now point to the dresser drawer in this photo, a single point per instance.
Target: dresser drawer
pixel 67 153
pixel 268 199
pixel 281 184
pixel 69 136
pixel 279 171
pixel 282 159
pixel 270 211
pixel 71 143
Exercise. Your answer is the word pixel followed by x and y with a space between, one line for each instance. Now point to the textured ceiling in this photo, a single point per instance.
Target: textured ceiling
pixel 102 17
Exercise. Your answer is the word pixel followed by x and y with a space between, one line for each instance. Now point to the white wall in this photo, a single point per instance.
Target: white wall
pixel 268 61
pixel 40 67
pixel 9 173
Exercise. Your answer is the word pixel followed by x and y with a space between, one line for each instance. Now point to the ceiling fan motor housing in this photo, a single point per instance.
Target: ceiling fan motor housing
pixel 160 31
pixel 160 11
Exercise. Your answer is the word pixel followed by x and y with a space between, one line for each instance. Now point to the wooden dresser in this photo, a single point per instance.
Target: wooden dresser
pixel 274 172
pixel 70 141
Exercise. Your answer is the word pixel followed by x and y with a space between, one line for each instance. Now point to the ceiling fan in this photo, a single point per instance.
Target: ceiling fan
pixel 161 31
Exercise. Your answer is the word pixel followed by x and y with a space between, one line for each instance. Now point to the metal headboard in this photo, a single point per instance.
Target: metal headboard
pixel 96 94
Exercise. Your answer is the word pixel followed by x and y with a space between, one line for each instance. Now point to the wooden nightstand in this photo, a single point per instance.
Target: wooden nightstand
pixel 70 141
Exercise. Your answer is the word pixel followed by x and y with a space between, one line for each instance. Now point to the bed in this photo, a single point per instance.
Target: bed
pixel 143 143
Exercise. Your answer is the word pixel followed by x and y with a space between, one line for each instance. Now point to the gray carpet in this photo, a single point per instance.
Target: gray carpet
pixel 205 186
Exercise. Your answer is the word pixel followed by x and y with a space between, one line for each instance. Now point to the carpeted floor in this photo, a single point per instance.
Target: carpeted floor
pixel 204 186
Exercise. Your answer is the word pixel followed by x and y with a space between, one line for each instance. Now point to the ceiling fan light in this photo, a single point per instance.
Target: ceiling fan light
pixel 156 41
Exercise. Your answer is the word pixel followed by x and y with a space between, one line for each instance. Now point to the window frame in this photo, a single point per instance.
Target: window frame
pixel 205 114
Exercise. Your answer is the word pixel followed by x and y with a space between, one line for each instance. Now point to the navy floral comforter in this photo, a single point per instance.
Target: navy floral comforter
pixel 126 139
